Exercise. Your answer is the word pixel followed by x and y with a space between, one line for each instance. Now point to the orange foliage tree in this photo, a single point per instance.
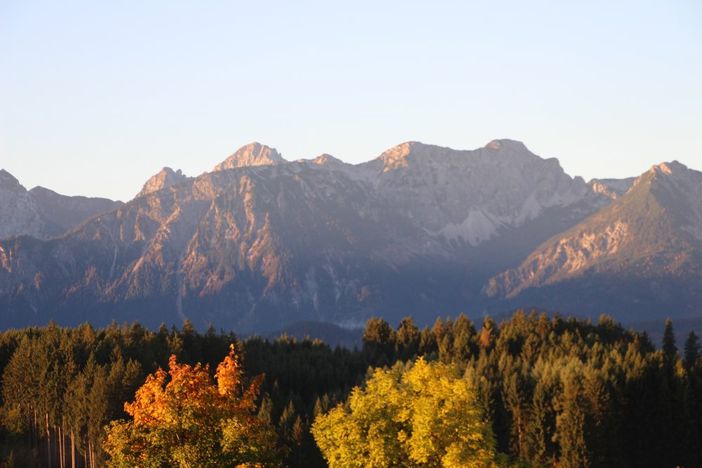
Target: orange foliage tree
pixel 183 418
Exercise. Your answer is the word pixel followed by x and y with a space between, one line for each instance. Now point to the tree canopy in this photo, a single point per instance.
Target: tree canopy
pixel 421 414
pixel 182 418
pixel 554 391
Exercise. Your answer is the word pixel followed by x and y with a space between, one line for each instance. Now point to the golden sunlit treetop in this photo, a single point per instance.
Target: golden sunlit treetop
pixel 183 418
pixel 421 414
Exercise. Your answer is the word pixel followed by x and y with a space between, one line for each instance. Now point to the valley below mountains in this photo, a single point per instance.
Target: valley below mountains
pixel 260 243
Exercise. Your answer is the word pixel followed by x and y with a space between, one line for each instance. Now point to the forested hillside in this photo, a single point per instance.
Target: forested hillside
pixel 533 390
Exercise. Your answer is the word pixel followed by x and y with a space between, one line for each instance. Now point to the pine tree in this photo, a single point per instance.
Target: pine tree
pixel 670 351
pixel 570 424
pixel 692 350
pixel 378 341
pixel 407 339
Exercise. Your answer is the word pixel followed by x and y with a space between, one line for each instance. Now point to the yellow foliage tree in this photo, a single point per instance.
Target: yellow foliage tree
pixel 182 418
pixel 421 414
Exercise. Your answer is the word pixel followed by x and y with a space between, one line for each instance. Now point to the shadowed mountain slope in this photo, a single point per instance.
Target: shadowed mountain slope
pixel 41 212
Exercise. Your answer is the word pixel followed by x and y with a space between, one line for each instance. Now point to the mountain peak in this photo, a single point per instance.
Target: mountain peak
pixel 10 182
pixel 166 177
pixel 669 168
pixel 398 155
pixel 253 154
pixel 672 174
pixel 326 159
pixel 503 144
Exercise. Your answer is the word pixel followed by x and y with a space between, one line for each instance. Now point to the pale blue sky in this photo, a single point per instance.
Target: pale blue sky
pixel 96 96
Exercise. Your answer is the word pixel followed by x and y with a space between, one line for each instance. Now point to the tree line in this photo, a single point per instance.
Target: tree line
pixel 550 391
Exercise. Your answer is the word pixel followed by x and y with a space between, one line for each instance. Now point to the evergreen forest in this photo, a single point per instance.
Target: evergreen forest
pixel 531 390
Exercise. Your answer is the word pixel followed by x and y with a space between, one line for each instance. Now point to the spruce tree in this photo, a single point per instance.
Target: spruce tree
pixel 670 350
pixel 692 350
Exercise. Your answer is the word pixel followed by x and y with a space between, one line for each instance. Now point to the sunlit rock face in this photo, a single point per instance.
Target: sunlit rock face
pixel 471 196
pixel 261 242
pixel 611 188
pixel 165 178
pixel 253 154
pixel 646 246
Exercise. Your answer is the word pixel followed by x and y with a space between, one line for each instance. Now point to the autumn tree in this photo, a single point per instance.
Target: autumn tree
pixel 183 418
pixel 421 414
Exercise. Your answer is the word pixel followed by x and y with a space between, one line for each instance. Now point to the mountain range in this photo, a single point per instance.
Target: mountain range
pixel 641 255
pixel 260 242
pixel 43 213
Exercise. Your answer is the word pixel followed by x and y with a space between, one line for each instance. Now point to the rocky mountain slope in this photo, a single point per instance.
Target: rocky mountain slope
pixel 640 256
pixel 473 196
pixel 612 188
pixel 261 242
pixel 251 155
pixel 43 213
pixel 165 178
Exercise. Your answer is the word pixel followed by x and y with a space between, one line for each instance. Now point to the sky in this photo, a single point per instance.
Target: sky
pixel 97 96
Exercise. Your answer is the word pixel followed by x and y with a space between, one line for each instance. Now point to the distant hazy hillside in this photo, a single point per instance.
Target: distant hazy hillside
pixel 41 212
pixel 331 334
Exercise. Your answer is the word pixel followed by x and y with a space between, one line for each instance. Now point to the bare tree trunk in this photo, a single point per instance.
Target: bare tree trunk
pixel 32 428
pixel 62 450
pixel 64 444
pixel 48 439
pixel 31 431
pixel 92 454
pixel 73 449
pixel 35 429
pixel 58 446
